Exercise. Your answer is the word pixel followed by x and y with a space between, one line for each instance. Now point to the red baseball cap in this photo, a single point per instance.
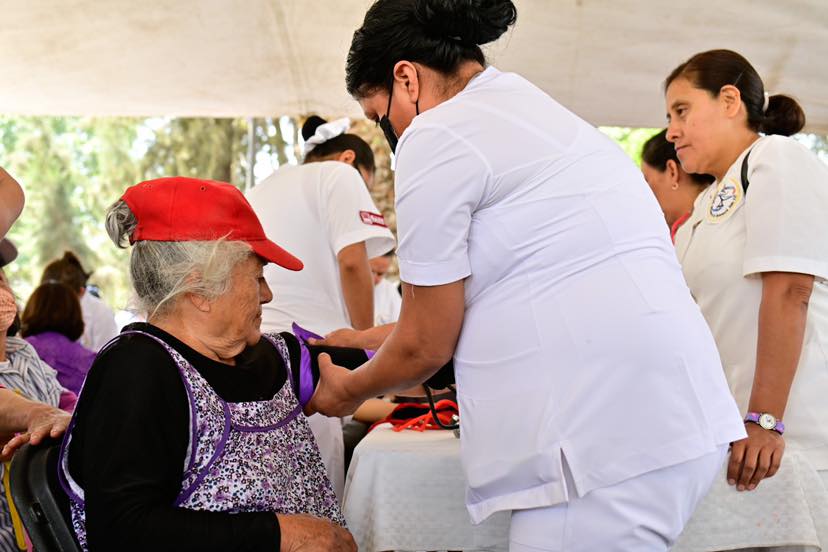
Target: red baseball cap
pixel 190 209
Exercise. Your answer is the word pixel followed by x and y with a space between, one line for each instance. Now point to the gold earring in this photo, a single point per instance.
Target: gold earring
pixel 674 186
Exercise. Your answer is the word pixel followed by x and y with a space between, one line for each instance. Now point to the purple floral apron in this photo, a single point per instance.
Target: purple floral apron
pixel 241 457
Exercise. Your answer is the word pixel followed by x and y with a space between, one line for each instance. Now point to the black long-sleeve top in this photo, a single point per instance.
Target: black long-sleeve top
pixel 130 441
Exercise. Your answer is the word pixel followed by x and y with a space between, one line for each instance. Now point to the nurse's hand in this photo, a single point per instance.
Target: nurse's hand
pixel 346 337
pixel 332 397
pixel 755 458
pixel 370 339
pixel 304 533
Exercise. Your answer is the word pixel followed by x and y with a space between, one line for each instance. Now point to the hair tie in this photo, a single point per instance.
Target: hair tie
pixel 765 104
pixel 326 132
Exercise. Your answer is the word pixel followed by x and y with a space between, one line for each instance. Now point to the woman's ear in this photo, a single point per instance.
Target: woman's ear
pixel 347 156
pixel 673 173
pixel 200 302
pixel 731 100
pixel 406 73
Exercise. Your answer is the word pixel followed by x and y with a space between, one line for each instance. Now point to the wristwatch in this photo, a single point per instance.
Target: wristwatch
pixel 766 421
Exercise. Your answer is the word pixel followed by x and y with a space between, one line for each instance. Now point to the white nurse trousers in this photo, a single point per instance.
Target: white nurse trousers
pixel 643 514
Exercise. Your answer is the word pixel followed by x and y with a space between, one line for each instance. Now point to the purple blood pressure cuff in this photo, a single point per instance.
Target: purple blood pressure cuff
pixel 306 377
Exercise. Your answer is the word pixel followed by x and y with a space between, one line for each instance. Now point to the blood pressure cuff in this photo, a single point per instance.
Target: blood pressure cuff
pixel 306 377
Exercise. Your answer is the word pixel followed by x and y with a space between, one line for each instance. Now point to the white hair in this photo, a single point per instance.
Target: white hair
pixel 163 271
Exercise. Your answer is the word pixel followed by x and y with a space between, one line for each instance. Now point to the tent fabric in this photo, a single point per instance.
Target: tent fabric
pixel 604 59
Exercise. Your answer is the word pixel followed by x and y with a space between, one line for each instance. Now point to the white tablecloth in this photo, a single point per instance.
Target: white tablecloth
pixel 405 491
pixel 791 508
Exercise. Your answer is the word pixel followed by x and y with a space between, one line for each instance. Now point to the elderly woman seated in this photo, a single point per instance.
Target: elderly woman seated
pixel 188 434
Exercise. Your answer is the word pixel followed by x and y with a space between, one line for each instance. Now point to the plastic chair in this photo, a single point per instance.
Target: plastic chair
pixel 41 502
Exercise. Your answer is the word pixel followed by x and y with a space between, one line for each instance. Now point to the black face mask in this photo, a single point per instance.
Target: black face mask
pixel 390 135
pixel 385 122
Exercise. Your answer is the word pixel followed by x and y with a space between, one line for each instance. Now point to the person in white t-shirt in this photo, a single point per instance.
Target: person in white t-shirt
pixel 387 298
pixel 592 400
pixel 323 211
pixel 755 256
pixel 98 318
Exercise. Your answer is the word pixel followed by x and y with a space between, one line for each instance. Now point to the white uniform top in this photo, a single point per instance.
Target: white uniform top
pixel 780 225
pixel 314 211
pixel 99 324
pixel 580 338
pixel 387 302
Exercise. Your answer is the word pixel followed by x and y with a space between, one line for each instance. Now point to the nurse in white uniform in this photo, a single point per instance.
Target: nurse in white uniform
pixel 593 403
pixel 755 256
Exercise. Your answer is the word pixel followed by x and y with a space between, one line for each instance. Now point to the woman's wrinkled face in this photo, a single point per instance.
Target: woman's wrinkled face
pixel 238 313
pixel 696 123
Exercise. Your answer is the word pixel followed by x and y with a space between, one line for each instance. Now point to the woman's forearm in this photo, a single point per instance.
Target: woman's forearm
pixel 782 315
pixel 16 412
pixel 373 338
pixel 419 344
pixel 399 364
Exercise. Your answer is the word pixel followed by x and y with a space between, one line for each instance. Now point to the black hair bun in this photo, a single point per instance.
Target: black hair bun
pixel 467 21
pixel 784 116
pixel 311 124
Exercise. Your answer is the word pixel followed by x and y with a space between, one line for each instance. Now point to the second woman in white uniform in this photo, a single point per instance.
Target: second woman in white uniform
pixel 592 400
pixel 755 256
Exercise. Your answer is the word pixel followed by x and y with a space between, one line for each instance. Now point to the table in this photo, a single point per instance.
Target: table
pixel 789 509
pixel 405 492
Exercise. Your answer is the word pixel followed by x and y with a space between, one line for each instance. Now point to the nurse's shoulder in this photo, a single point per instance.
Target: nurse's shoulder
pixel 782 169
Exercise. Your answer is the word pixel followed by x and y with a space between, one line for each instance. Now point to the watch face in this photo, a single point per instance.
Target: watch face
pixel 768 421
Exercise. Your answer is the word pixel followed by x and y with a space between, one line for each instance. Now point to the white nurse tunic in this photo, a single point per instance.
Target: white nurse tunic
pixel 580 338
pixel 781 224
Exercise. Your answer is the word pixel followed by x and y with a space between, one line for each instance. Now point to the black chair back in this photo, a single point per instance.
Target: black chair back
pixel 40 500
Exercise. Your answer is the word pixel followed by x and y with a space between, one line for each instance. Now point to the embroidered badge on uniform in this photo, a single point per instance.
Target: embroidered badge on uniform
pixel 372 219
pixel 725 200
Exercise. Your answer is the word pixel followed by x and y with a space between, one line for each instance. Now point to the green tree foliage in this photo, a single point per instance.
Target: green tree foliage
pixel 631 140
pixel 201 148
pixel 73 169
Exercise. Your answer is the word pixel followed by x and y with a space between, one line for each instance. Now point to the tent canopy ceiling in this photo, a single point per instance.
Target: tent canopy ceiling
pixel 604 59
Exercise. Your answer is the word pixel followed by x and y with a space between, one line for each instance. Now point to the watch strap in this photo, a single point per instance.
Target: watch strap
pixel 753 417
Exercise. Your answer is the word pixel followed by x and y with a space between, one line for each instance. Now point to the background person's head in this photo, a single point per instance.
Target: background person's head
pixel 380 266
pixel 9 316
pixel 716 105
pixel 197 259
pixel 338 145
pixel 410 55
pixel 53 307
pixel 67 270
pixel 674 188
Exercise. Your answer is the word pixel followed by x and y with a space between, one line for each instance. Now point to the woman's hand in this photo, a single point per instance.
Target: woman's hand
pixel 304 533
pixel 755 458
pixel 332 397
pixel 43 421
pixel 346 337
pixel 371 339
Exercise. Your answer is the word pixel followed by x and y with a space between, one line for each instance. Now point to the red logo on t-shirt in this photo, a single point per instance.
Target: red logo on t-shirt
pixel 372 219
